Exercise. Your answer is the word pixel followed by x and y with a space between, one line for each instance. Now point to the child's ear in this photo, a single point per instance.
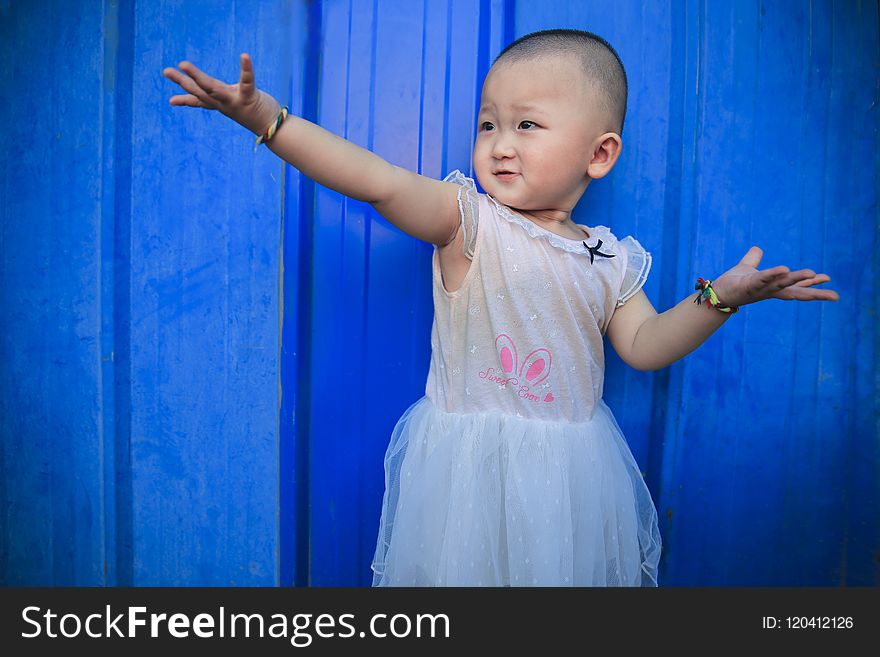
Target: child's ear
pixel 605 155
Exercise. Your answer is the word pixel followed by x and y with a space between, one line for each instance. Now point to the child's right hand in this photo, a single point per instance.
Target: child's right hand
pixel 242 102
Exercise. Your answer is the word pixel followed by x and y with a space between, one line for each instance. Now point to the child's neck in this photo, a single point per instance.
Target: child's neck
pixel 558 222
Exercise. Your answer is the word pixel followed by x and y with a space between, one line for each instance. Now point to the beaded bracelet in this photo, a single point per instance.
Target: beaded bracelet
pixel 708 294
pixel 270 132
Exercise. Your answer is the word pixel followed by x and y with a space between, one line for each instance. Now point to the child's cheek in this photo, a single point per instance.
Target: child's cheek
pixel 481 157
pixel 540 158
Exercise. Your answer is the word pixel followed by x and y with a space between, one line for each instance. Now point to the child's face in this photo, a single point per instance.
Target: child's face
pixel 549 146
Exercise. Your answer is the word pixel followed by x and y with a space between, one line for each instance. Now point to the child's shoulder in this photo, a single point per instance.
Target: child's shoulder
pixel 459 178
pixel 468 188
pixel 610 238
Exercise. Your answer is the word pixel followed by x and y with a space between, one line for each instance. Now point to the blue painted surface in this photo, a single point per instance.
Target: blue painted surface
pixel 203 353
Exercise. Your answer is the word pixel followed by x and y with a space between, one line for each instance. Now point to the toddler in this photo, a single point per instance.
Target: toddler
pixel 511 470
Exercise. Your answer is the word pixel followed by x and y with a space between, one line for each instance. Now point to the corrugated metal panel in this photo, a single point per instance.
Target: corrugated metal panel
pixel 140 281
pixel 204 353
pixel 52 358
pixel 204 308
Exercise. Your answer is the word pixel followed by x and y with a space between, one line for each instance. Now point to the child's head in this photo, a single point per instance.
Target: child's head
pixel 551 111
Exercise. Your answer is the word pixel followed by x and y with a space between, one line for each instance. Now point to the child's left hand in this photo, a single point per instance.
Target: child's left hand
pixel 745 284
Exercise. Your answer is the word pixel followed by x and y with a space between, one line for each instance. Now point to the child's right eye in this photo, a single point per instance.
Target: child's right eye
pixel 484 124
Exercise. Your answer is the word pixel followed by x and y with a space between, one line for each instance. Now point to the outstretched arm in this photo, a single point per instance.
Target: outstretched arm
pixel 419 206
pixel 646 340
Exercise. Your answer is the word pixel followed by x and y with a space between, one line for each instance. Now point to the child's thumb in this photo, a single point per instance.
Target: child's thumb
pixel 753 256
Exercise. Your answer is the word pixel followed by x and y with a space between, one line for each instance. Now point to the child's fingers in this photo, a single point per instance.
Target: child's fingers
pixel 211 86
pixel 186 101
pixel 195 73
pixel 247 71
pixel 801 289
pixel 784 278
pixel 810 294
pixel 797 277
pixel 773 274
pixel 815 280
pixel 195 98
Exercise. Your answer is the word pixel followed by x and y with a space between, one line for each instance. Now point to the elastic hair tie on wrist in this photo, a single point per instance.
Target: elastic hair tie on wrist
pixel 708 294
pixel 270 132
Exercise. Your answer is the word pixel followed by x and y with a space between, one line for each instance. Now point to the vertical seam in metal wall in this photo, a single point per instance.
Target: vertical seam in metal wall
pixel 416 337
pixel 483 54
pixel 875 265
pixel 106 428
pixel 669 381
pixel 285 547
pixel 815 379
pixel 422 87
pixel 305 281
pixel 119 62
pixel 875 269
pixel 660 385
pixel 368 218
pixel 789 438
pixel 847 409
pixel 447 84
pixel 368 221
pixel 822 206
pixel 358 529
pixel 281 554
pixel 509 31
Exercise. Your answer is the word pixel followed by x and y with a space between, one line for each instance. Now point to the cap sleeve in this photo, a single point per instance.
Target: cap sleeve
pixel 468 208
pixel 638 264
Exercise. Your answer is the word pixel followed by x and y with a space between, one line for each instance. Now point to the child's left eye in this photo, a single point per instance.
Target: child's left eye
pixel 529 122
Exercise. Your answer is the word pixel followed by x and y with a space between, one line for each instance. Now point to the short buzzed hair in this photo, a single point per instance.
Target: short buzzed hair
pixel 599 61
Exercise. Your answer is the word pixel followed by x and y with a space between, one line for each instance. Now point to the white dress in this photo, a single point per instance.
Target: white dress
pixel 511 470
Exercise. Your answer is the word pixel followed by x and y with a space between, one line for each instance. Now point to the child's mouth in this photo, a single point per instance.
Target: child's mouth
pixel 506 175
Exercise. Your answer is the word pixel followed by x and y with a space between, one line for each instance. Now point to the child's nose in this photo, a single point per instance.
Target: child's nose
pixel 502 145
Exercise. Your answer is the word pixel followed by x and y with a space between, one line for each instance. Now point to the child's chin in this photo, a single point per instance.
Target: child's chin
pixel 505 196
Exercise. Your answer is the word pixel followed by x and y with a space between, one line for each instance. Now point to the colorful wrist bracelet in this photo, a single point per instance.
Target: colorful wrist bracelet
pixel 708 294
pixel 270 132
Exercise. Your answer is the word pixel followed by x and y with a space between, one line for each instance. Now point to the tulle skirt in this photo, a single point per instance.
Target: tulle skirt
pixel 489 499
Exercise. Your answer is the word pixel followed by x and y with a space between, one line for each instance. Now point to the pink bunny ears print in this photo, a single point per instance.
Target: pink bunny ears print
pixel 536 365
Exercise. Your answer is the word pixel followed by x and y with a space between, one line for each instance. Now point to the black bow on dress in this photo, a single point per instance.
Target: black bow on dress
pixel 594 251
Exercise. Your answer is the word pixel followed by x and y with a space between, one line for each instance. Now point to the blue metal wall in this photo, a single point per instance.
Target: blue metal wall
pixel 202 353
